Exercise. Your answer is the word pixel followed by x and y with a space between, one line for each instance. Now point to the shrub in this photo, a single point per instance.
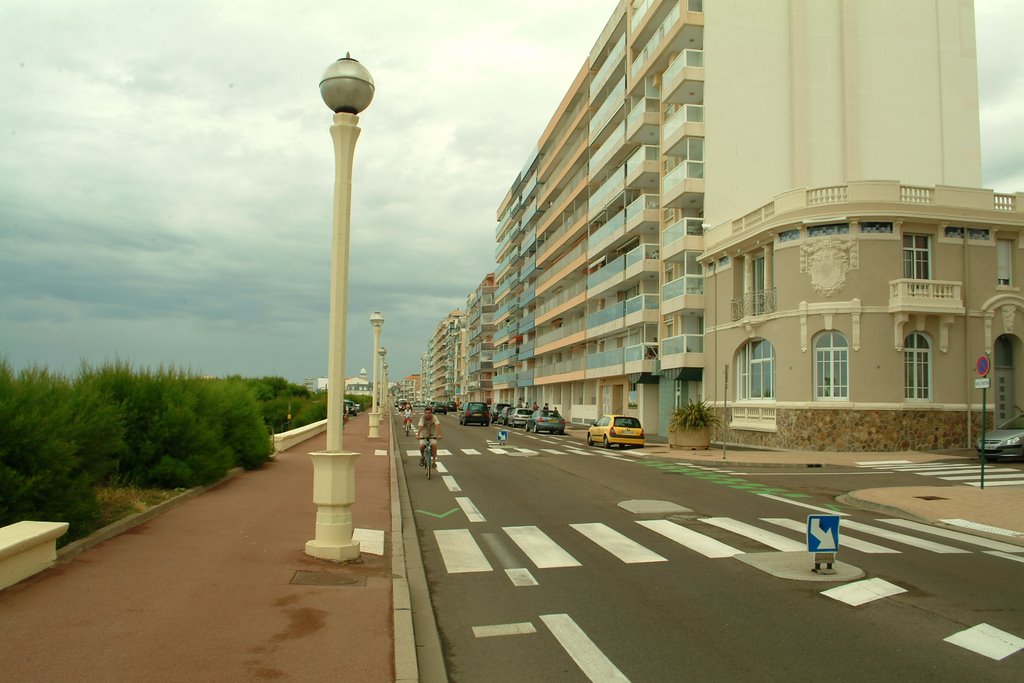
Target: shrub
pixel 694 416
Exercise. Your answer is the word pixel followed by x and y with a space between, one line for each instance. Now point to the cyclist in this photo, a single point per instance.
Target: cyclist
pixel 428 431
pixel 407 418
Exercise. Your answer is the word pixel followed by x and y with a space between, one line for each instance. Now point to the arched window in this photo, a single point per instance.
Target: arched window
pixel 756 371
pixel 831 367
pixel 917 368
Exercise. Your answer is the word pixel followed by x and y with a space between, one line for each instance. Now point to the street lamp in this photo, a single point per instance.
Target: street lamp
pixel 347 89
pixel 377 320
pixel 382 398
pixel 387 395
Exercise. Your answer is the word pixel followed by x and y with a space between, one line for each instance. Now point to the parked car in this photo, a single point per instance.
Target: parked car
pixel 497 412
pixel 1006 441
pixel 351 407
pixel 623 430
pixel 546 421
pixel 517 417
pixel 502 418
pixel 473 412
pixel 439 407
pixel 452 406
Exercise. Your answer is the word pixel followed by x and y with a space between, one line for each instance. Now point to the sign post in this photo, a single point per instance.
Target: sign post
pixel 502 436
pixel 823 541
pixel 982 366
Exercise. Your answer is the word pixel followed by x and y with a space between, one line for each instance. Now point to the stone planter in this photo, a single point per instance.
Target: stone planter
pixel 692 440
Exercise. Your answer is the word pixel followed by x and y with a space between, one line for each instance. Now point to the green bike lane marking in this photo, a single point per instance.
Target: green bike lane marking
pixel 730 481
pixel 439 516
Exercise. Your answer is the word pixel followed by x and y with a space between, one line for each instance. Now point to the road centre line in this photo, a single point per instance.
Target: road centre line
pixel 594 664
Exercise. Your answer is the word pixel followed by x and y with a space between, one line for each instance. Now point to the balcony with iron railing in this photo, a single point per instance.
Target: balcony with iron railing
pixel 754 303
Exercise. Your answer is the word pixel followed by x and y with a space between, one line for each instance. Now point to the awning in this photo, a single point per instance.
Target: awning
pixel 683 374
pixel 642 378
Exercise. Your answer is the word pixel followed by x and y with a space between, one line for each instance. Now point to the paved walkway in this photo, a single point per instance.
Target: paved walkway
pixel 207 590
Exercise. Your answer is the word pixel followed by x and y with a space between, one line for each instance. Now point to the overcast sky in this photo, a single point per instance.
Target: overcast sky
pixel 166 169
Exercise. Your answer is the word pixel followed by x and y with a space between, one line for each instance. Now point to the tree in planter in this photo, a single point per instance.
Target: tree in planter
pixel 690 426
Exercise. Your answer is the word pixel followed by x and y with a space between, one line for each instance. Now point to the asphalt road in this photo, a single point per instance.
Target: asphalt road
pixel 537 572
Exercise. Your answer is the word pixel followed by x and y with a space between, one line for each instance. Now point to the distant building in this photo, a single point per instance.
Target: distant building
pixel 359 385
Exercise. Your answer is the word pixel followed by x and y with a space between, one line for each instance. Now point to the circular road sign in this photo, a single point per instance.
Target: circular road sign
pixel 982 365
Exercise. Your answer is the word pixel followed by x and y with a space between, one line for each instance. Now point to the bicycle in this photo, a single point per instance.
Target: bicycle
pixel 428 455
pixel 408 426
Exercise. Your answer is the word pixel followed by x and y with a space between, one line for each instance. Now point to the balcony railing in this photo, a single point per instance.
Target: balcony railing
pixel 754 303
pixel 937 296
pixel 683 343
pixel 686 285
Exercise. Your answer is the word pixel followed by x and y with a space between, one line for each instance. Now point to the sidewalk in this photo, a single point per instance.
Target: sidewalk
pixel 208 589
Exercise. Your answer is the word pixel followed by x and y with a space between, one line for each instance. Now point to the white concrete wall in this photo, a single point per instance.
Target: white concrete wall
pixel 808 93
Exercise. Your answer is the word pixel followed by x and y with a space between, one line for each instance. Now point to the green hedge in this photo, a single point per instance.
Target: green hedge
pixel 115 426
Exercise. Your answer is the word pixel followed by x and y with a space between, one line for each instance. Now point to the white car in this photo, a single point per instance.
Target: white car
pixel 519 417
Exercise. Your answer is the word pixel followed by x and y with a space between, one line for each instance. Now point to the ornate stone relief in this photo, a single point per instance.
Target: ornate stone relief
pixel 827 261
pixel 1008 311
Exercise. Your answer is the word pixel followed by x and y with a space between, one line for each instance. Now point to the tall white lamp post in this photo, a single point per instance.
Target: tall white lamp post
pixel 377 320
pixel 387 394
pixel 347 88
pixel 382 390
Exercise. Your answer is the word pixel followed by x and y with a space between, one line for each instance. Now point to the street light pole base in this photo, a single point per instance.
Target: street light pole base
pixel 374 425
pixel 333 553
pixel 333 494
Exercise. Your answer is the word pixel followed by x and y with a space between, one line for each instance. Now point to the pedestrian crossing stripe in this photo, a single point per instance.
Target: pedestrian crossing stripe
pixel 461 554
pixel 967 474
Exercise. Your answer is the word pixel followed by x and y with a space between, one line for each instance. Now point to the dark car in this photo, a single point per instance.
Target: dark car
pixel 546 421
pixel 452 406
pixel 440 407
pixel 496 411
pixel 475 413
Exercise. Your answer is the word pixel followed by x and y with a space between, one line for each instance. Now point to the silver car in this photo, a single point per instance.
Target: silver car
pixel 518 417
pixel 1007 441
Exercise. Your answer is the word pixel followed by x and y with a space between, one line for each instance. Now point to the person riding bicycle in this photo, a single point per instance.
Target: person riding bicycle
pixel 428 431
pixel 407 419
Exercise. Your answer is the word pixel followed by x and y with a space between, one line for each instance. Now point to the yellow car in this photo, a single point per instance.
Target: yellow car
pixel 616 429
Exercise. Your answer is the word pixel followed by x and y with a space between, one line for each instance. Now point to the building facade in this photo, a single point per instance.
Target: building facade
pixel 479 342
pixel 754 202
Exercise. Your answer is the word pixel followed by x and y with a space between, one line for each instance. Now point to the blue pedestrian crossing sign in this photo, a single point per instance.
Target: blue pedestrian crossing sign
pixel 503 436
pixel 822 533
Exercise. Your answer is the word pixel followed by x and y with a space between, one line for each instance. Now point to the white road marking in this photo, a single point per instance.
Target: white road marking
pixel 869 463
pixel 902 538
pixel 844 540
pixel 1005 556
pixel 626 549
pixel 443 451
pixel 705 545
pixel 987 640
pixel 616 457
pixel 460 552
pixel 380 451
pixel 413 452
pixel 768 538
pixel 471 512
pixel 370 540
pixel 503 630
pixel 452 485
pixel 955 535
pixel 521 576
pixel 860 592
pixel 804 505
pixel 541 550
pixel 981 527
pixel 998 483
pixel 582 649
pixel 498 451
pixel 470 451
pixel 440 467
pixel 552 451
pixel 950 471
pixel 988 475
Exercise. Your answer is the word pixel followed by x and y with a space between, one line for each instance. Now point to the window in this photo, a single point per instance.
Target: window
pixel 789 235
pixel 1004 262
pixel 876 227
pixel 757 371
pixel 831 367
pixel 917 368
pixel 826 230
pixel 916 262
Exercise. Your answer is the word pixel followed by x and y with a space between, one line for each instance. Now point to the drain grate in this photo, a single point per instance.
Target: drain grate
pixel 931 497
pixel 304 578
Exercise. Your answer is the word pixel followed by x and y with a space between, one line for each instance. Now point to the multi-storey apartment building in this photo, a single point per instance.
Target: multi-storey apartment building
pixel 479 343
pixel 444 362
pixel 773 206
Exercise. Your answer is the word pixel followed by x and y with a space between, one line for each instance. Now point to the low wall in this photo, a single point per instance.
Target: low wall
pixel 286 440
pixel 861 430
pixel 27 548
